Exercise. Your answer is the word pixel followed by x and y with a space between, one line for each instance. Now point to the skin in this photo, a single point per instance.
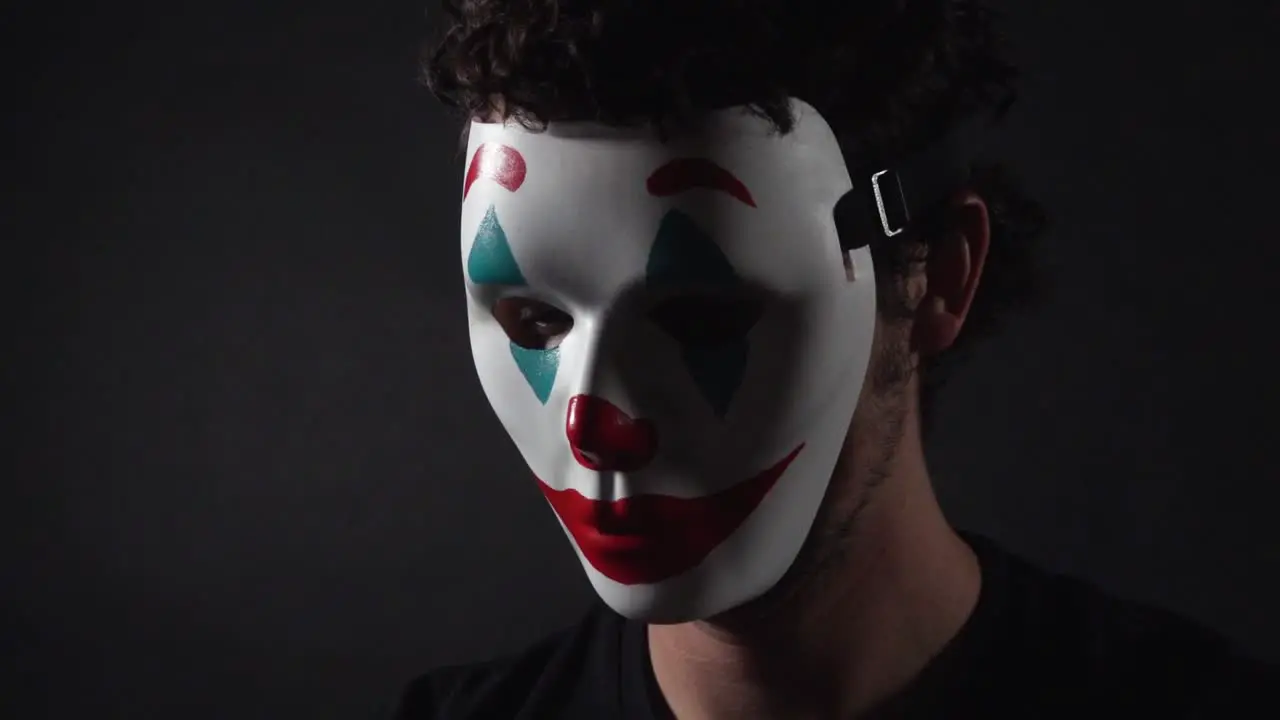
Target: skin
pixel 883 582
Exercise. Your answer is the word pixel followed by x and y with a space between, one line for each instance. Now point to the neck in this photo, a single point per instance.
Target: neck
pixel 839 640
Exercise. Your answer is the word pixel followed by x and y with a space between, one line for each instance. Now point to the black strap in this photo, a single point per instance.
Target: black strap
pixel 885 202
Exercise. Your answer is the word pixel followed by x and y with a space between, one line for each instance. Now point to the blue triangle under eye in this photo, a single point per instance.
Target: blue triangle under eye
pixel 717 370
pixel 683 254
pixel 539 368
pixel 491 261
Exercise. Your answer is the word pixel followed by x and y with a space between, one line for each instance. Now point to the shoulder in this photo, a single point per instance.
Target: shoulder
pixel 1119 653
pixel 553 673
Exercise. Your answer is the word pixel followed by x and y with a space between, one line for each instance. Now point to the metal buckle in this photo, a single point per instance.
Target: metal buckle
pixel 884 215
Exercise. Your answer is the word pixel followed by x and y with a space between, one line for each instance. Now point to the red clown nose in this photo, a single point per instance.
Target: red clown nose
pixel 606 439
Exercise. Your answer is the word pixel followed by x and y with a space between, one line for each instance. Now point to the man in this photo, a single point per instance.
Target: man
pixel 715 255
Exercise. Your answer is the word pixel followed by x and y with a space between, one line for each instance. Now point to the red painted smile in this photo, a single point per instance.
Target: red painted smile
pixel 648 538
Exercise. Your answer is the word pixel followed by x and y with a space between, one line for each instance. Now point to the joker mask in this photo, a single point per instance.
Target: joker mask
pixel 673 338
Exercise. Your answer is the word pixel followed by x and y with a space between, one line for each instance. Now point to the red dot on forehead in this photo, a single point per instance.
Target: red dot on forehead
pixel 501 163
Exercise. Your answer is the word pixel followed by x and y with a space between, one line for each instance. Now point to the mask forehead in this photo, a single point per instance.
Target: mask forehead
pixel 588 210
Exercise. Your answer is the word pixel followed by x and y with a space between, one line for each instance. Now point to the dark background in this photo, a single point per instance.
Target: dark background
pixel 256 477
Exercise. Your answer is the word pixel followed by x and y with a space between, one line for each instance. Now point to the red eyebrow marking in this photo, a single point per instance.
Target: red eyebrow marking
pixel 501 163
pixel 684 174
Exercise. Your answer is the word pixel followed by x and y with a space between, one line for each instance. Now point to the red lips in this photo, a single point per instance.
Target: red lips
pixel 645 538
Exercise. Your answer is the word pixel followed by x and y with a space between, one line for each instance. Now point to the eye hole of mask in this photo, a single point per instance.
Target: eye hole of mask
pixel 532 324
pixel 707 318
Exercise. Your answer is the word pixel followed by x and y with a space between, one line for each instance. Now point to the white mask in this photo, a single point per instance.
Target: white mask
pixel 697 341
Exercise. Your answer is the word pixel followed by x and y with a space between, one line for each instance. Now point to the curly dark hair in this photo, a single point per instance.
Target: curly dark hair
pixel 889 76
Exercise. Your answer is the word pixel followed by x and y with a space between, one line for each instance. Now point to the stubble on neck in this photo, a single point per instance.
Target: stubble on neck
pixel 880 586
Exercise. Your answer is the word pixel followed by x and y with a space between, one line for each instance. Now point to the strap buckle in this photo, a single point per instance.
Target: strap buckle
pixel 884 210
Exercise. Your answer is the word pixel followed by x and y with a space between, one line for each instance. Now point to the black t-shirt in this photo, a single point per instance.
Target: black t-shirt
pixel 1036 646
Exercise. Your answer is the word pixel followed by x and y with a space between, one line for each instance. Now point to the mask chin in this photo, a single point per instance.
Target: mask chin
pixel 757 554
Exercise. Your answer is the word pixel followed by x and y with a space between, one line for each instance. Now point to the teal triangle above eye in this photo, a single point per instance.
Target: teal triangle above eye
pixel 491 261
pixel 683 254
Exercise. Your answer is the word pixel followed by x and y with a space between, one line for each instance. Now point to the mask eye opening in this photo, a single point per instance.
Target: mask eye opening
pixel 532 324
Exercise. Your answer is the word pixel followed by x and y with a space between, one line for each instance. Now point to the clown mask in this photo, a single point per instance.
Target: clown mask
pixel 672 336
